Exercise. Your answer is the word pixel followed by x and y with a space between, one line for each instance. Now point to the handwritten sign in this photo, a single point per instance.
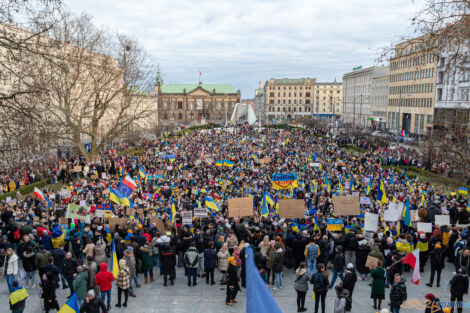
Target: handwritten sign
pixel 239 207
pixel 283 181
pixel 371 262
pixel 291 208
pixel 77 211
pixel 346 205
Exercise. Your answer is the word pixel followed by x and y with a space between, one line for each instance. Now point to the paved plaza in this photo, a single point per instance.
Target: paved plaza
pixel 211 299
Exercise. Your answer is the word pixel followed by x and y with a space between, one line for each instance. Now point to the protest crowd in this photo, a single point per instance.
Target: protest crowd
pixel 198 202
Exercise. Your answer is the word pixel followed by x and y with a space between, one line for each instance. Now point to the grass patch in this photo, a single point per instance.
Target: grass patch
pixel 353 149
pixel 134 151
pixel 26 189
pixel 436 180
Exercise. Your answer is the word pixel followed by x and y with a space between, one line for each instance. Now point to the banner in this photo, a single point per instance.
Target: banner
pixel 334 224
pixel 365 201
pixel 442 220
pixel 240 207
pixel 104 210
pixel 292 208
pixel 200 212
pixel 284 181
pixel 425 227
pixel 394 212
pixel 346 205
pixel 77 211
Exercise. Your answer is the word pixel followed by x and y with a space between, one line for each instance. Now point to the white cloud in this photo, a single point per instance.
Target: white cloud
pixel 245 41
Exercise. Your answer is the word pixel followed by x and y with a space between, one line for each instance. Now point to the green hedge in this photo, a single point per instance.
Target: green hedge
pixel 135 151
pixel 26 189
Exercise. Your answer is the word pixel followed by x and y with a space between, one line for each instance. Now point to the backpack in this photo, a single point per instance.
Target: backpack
pixel 318 280
pixel 17 234
pixel 348 306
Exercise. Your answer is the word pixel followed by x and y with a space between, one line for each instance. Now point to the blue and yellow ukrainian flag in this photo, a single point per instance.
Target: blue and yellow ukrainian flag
pixel 128 202
pixel 114 262
pixel 172 211
pixel 351 183
pixel 340 183
pixel 228 163
pixel 381 194
pixel 211 204
pixel 219 163
pixel 463 191
pixel 264 206
pixel 407 213
pixel 142 172
pixel 276 204
pixel 71 306
pixel 408 183
pixel 115 196
pixel 369 185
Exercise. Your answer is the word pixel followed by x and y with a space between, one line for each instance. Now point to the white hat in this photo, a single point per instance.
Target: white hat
pixel 91 292
pixel 350 266
pixel 422 236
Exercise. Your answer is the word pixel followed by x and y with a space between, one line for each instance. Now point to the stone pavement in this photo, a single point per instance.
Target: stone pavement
pixel 211 299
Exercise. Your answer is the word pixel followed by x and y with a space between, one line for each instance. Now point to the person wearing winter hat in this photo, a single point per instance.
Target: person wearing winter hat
pixel 423 246
pixel 350 278
pixel 437 264
pixel 92 303
pixel 432 304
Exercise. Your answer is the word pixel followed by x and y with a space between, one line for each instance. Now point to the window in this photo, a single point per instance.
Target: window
pixel 180 105
pixel 307 94
pixel 429 119
pixel 165 116
pixel 271 94
pixel 180 116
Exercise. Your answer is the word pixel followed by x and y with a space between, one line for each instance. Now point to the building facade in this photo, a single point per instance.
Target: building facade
pixel 289 98
pixel 357 94
pixel 412 87
pixel 192 104
pixel 379 100
pixel 328 100
pixel 452 92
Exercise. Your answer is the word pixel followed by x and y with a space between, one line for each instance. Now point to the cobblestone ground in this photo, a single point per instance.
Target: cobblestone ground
pixel 211 299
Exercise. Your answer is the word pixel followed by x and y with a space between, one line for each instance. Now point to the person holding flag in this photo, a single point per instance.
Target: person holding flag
pixel 18 298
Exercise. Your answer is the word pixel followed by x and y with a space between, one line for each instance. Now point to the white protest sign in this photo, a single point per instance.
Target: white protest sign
pixel 442 220
pixel 187 217
pixel 83 203
pixel 200 212
pixel 365 200
pixel 88 219
pixel 394 212
pixel 315 164
pixel 8 199
pixel 371 221
pixel 425 227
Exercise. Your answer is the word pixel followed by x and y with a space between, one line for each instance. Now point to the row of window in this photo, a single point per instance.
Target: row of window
pixel 418 88
pixel 272 94
pixel 411 102
pixel 395 123
pixel 418 60
pixel 191 116
pixel 294 101
pixel 193 106
pixel 426 73
pixel 290 88
pixel 294 109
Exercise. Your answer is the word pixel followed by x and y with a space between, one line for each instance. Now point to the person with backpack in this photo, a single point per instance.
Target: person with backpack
pixel 320 286
pixel 397 294
pixel 350 279
pixel 340 301
pixel 210 262
pixel 191 260
pixel 301 286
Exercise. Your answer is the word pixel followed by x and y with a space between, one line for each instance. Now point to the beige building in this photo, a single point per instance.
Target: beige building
pixel 289 98
pixel 379 100
pixel 328 100
pixel 412 87
pixel 192 104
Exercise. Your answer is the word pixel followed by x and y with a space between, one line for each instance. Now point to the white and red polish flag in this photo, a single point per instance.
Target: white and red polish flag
pixel 412 260
pixel 38 193
pixel 129 182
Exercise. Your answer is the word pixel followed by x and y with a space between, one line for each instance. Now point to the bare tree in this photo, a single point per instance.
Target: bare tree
pixel 88 82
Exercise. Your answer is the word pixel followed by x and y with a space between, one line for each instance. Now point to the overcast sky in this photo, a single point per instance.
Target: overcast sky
pixel 242 42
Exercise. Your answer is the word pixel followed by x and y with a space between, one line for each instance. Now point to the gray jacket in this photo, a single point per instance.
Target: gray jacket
pixel 301 282
pixel 191 258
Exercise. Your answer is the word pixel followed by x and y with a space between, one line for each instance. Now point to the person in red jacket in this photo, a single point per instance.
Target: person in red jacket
pixel 104 279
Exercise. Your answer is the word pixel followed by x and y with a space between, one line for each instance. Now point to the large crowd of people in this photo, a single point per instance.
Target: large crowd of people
pixel 143 235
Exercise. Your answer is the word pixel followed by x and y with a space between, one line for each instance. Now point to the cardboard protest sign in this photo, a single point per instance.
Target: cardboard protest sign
pixel 425 227
pixel 77 169
pixel 442 220
pixel 291 208
pixel 334 224
pixel 346 205
pixel 158 223
pixel 187 217
pixel 371 262
pixel 77 211
pixel 130 211
pixel 371 221
pixel 122 222
pixel 238 207
pixel 63 220
pixel 200 212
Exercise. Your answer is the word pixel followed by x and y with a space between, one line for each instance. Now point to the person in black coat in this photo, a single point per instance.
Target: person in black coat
pixel 210 262
pixel 93 304
pixel 361 258
pixel 338 265
pixel 168 260
pixel 324 246
pixel 350 279
pixel 298 245
pixel 48 293
pixel 437 264
pixel 459 287
pixel 232 282
pixel 393 269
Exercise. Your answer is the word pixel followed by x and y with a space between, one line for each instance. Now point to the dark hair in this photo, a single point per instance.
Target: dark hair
pixel 339 288
pixel 320 266
pixel 49 276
